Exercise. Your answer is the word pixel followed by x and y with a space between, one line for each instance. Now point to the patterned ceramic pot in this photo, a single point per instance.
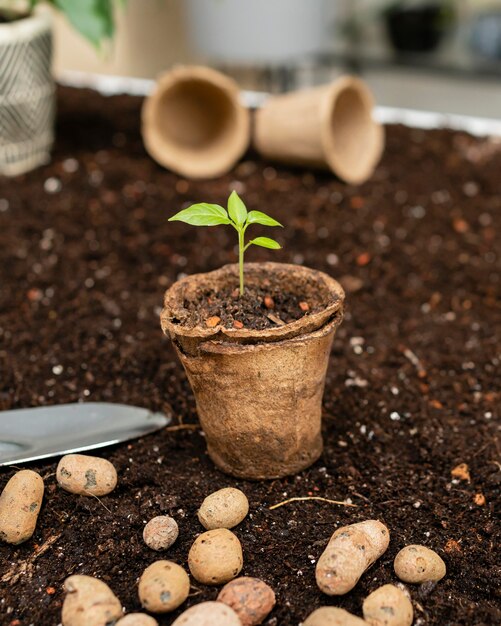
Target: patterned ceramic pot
pixel 27 94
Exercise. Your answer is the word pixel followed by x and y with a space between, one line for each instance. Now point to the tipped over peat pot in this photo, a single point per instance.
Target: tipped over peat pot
pixel 194 124
pixel 258 392
pixel 329 127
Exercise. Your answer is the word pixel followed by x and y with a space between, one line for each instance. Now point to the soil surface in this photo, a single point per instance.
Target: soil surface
pixel 413 387
pixel 256 309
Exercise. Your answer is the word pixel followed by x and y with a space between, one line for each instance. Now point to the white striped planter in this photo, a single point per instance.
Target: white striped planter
pixel 27 95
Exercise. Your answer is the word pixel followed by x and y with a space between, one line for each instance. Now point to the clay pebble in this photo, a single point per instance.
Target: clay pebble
pixel 160 532
pixel 350 551
pixel 332 616
pixel 20 504
pixel 251 599
pixel 89 602
pixel 137 619
pixel 208 614
pixel 163 587
pixel 225 508
pixel 215 557
pixel 419 564
pixel 86 475
pixel 388 606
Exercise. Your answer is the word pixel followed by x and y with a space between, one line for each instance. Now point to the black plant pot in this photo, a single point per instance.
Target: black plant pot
pixel 417 29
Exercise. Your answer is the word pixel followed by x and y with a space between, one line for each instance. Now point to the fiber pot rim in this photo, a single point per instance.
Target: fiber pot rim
pixel 334 159
pixel 173 312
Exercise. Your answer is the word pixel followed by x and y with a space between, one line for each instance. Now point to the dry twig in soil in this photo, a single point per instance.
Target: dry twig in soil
pixel 26 567
pixel 304 498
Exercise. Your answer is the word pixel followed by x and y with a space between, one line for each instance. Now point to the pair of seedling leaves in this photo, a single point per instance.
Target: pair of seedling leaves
pixel 204 214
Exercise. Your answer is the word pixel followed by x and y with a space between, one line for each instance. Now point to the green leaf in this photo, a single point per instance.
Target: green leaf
pixel 93 19
pixel 202 214
pixel 257 217
pixel 236 209
pixel 265 242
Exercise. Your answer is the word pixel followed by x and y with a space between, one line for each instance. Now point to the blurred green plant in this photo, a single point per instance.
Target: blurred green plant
pixel 94 19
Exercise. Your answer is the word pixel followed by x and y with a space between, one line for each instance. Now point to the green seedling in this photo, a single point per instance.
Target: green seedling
pixel 204 214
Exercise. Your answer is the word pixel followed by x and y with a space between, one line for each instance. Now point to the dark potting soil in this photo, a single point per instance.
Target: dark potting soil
pixel 256 309
pixel 413 387
pixel 7 17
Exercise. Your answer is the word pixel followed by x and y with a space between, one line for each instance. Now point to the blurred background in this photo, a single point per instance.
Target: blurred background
pixel 440 56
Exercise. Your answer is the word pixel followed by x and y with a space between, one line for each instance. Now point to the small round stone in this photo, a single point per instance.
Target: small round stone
pixel 160 532
pixel 20 504
pixel 137 619
pixel 163 587
pixel 215 557
pixel 251 599
pixel 225 508
pixel 86 475
pixel 89 602
pixel 388 606
pixel 208 614
pixel 332 616
pixel 419 564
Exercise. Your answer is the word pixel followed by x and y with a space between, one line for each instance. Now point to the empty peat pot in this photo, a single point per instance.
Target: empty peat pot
pixel 193 122
pixel 327 127
pixel 258 392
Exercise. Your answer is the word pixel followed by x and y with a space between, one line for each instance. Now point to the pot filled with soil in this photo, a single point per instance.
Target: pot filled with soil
pixel 418 28
pixel 27 90
pixel 27 98
pixel 256 360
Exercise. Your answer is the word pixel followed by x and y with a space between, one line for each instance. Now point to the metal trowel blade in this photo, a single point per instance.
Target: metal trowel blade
pixel 39 433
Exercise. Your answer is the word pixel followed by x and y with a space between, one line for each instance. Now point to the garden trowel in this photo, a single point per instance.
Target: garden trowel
pixel 38 433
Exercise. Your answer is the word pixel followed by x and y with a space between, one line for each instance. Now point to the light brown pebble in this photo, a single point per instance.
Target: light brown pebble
pixel 419 564
pixel 350 551
pixel 160 532
pixel 332 616
pixel 208 614
pixel 388 606
pixel 213 321
pixel 86 475
pixel 251 599
pixel 137 619
pixel 215 557
pixel 479 499
pixel 20 505
pixel 462 472
pixel 225 508
pixel 89 602
pixel 351 284
pixel 163 587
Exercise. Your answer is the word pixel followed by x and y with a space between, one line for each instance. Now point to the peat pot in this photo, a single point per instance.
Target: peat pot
pixel 194 123
pixel 27 96
pixel 258 392
pixel 330 127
